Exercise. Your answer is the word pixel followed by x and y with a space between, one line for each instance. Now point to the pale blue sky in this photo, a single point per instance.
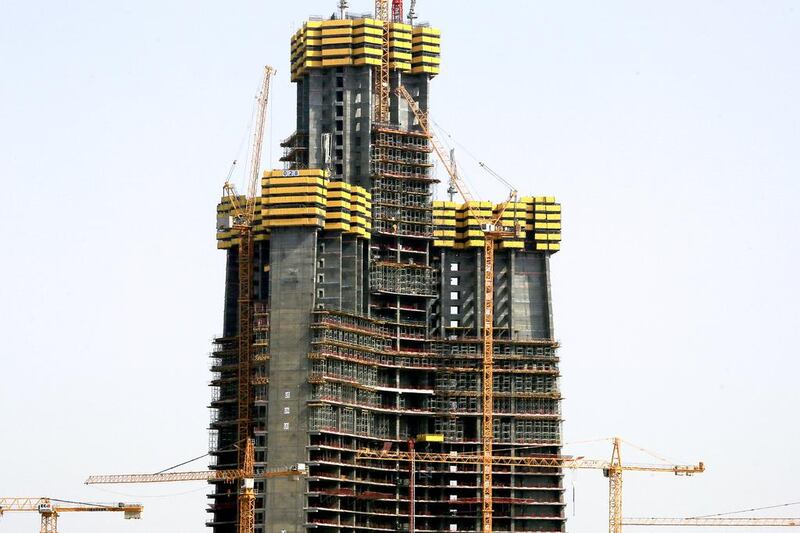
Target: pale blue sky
pixel 669 130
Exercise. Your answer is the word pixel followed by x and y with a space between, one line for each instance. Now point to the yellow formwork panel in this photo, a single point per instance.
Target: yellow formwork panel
pixel 334 226
pixel 306 172
pixel 426 61
pixel 336 32
pixel 427 30
pixel 426 39
pixel 294 191
pixel 476 205
pixel 376 52
pixel 310 200
pixel 292 181
pixel 367 30
pixel 336 23
pixel 366 39
pixel 424 70
pixel 368 22
pixel 329 41
pixel 433 49
pixel 337 62
pixel 294 222
pixel 338 52
pixel 334 216
pixel 367 61
pixel 272 212
pixel 334 203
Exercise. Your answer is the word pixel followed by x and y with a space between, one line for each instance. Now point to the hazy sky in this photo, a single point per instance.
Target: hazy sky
pixel 669 130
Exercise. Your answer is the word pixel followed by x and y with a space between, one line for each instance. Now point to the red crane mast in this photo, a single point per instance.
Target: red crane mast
pixel 397 10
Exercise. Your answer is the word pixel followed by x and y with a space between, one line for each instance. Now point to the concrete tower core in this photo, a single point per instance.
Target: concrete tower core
pixel 368 316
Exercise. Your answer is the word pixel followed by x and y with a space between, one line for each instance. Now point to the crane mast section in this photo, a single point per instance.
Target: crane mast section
pixel 381 88
pixel 258 143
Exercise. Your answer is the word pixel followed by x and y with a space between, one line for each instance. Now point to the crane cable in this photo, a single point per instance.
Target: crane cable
pixel 105 505
pixel 748 510
pixel 482 164
pixel 231 448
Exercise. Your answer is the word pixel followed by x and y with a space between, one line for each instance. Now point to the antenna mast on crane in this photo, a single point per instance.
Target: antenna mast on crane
pixel 412 12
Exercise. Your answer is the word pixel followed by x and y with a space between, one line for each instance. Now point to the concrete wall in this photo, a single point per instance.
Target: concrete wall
pixel 531 311
pixel 522 294
pixel 292 260
pixel 338 101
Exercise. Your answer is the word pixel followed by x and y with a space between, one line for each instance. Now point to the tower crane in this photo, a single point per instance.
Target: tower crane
pixel 613 469
pixel 228 476
pixel 50 508
pixel 381 84
pixel 246 475
pixel 493 231
pixel 243 210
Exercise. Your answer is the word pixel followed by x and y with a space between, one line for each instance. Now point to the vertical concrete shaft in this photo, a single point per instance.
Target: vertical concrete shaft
pixel 292 261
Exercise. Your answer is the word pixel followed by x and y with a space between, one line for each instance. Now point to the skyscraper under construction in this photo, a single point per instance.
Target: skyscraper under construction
pixel 367 319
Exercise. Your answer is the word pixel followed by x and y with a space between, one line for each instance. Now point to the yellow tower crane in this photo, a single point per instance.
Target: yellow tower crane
pixel 50 508
pixel 381 75
pixel 243 214
pixel 201 475
pixel 613 469
pixel 245 475
pixel 492 231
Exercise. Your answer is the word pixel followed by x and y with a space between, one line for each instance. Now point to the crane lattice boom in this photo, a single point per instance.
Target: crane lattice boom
pixel 49 511
pixel 206 475
pixel 705 522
